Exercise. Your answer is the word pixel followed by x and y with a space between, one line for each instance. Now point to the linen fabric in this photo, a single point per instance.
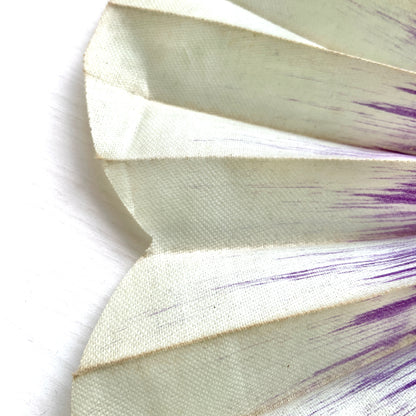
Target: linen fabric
pixel 275 174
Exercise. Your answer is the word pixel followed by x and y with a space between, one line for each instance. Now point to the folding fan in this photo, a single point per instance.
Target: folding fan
pixel 267 147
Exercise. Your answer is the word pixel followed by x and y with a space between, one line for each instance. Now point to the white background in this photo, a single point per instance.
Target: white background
pixel 66 239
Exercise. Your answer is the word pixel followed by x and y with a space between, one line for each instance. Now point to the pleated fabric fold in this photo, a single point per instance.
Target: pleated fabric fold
pixel 268 148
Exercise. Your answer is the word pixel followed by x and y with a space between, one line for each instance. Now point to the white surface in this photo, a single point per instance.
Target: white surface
pixel 66 239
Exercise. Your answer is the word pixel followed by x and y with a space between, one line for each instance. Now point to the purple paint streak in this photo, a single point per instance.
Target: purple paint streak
pixel 393 208
pixel 385 343
pixel 384 312
pixel 408 90
pixel 396 231
pixel 379 377
pixel 295 275
pixel 398 274
pixel 391 108
pixel 405 193
pixel 398 259
pixel 410 29
pixel 401 389
pixel 389 368
pixel 163 310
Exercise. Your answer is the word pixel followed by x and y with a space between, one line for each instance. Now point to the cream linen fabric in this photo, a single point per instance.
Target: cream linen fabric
pixel 380 30
pixel 275 178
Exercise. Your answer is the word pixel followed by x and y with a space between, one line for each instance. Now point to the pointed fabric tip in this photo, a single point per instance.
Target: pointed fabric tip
pixel 276 179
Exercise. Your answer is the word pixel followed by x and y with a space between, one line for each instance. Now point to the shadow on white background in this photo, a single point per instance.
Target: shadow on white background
pixel 68 241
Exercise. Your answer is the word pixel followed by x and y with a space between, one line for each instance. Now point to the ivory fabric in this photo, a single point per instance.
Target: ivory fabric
pixel 276 178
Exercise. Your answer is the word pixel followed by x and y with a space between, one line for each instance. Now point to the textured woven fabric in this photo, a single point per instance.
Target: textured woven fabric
pixel 276 179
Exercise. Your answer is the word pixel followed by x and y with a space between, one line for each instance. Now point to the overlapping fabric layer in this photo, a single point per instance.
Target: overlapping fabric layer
pixel 275 173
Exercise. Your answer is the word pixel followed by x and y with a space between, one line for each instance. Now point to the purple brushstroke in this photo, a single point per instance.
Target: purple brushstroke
pixel 391 108
pixel 397 274
pixel 369 381
pixel 401 389
pixel 410 29
pixel 408 90
pixel 404 194
pixel 385 343
pixel 296 275
pixel 397 205
pixel 376 374
pixel 384 312
pixel 343 265
pixel 163 310
pixel 388 232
